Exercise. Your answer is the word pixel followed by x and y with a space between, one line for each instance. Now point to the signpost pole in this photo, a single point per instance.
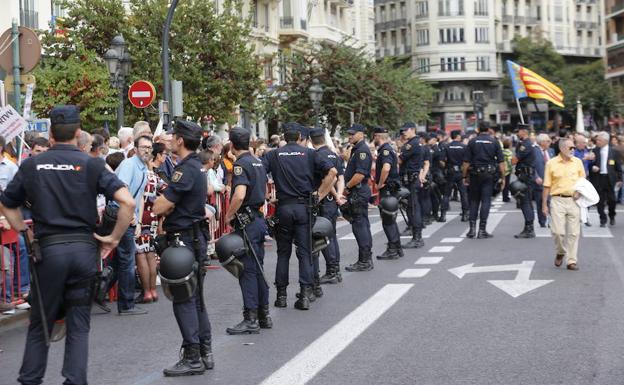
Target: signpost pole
pixel 16 67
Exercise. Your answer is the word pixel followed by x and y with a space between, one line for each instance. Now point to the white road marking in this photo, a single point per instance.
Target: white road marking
pixel 441 249
pixel 493 221
pixel 305 365
pixel 595 231
pixel 374 229
pixel 428 260
pixel 414 273
pixel 435 226
pixel 451 240
pixel 542 232
pixel 493 210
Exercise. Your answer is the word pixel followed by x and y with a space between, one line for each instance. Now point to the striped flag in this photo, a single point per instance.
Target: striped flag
pixel 528 84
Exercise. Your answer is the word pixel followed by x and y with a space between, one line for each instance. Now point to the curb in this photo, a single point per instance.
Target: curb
pixel 10 320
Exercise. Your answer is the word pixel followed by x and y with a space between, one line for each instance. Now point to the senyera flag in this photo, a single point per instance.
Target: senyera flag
pixel 528 84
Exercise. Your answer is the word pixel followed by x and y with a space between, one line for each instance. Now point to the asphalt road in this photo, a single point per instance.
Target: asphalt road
pixel 411 321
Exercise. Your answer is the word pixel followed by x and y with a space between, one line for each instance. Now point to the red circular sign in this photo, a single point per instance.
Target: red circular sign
pixel 141 93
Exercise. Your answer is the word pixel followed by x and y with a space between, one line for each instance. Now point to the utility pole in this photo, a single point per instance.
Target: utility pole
pixel 165 59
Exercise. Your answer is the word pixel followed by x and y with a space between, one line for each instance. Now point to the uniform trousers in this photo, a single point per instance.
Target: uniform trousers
pixel 425 202
pixel 389 224
pixel 454 179
pixel 253 287
pixel 480 195
pixel 526 205
pixel 64 276
pixel 329 210
pixel 360 223
pixel 414 211
pixel 293 227
pixel 192 318
pixel 565 226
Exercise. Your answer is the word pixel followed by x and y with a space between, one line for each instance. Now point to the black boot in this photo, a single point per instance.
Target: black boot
pixel 280 301
pixel 264 318
pixel 399 249
pixel 390 253
pixel 364 263
pixel 473 229
pixel 407 232
pixel 442 217
pixel 331 276
pixel 249 324
pixel 190 363
pixel 317 289
pixel 205 351
pixel 464 216
pixel 416 241
pixel 303 303
pixel 428 220
pixel 483 234
pixel 527 232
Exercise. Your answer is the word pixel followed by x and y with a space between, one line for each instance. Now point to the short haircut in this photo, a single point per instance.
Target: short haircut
pixel 213 140
pixel 241 145
pixel 64 132
pixel 144 137
pixel 604 135
pixel 206 156
pixel 104 132
pixel 317 140
pixel 114 159
pixel 158 148
pixel 84 139
pixel 97 141
pixel 506 143
pixel 124 134
pixel 563 141
pixel 140 126
pixel 542 138
pixel 41 142
pixel 189 144
pixel 291 136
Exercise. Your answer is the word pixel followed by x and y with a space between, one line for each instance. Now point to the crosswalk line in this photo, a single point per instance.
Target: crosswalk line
pixel 595 231
pixel 435 226
pixel 428 260
pixel 493 221
pixel 414 273
pixel 451 240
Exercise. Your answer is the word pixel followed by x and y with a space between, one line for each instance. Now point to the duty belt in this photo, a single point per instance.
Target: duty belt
pixel 188 232
pixel 66 238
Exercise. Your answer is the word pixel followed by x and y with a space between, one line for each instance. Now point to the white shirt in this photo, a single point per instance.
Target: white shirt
pixel 604 158
pixel 8 170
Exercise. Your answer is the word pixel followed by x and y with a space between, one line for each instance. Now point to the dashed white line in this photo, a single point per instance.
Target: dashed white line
pixel 428 260
pixel 441 249
pixel 414 273
pixel 451 240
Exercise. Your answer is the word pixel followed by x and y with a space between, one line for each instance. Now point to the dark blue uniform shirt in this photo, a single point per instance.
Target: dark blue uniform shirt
pixel 249 171
pixel 386 154
pixel 455 153
pixel 62 185
pixel 484 150
pixel 327 156
pixel 188 189
pixel 525 154
pixel 413 156
pixel 437 157
pixel 360 162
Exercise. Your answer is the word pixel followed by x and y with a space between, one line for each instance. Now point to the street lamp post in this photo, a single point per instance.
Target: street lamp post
pixel 316 96
pixel 118 62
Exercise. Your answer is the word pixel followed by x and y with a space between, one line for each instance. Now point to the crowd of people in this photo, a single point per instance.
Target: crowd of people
pixel 311 175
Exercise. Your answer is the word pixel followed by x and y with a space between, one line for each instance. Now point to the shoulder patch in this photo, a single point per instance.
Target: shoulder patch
pixel 362 155
pixel 386 152
pixel 522 148
pixel 408 146
pixel 238 170
pixel 177 175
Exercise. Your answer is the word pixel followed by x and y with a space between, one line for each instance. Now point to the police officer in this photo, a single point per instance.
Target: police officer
pixel 425 192
pixel 438 162
pixel 388 183
pixel 249 182
pixel 525 171
pixel 183 204
pixel 454 159
pixel 358 193
pixel 413 169
pixel 62 185
pixel 293 167
pixel 329 206
pixel 483 160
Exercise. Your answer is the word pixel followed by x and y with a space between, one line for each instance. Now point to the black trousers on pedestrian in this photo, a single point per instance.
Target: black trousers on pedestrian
pixel 537 196
pixel 253 287
pixel 293 228
pixel 360 223
pixel 455 179
pixel 480 195
pixel 606 191
pixel 192 318
pixel 64 274
pixel 329 210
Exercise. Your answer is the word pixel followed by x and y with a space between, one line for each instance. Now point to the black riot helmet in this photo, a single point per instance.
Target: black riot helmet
pixel 518 188
pixel 178 273
pixel 388 208
pixel 229 248
pixel 438 177
pixel 321 231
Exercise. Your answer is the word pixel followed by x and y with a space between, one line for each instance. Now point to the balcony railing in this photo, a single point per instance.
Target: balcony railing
pixel 617 7
pixel 531 20
pixel 287 22
pixel 580 24
pixel 459 12
pixel 29 19
pixel 507 19
pixel 519 19
pixel 304 24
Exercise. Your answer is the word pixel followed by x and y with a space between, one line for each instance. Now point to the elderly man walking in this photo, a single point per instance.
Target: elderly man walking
pixel 606 176
pixel 561 174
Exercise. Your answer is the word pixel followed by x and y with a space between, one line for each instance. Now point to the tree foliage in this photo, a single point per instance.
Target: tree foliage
pixel 376 93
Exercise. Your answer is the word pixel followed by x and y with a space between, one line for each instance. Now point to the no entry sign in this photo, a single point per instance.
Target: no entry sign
pixel 141 93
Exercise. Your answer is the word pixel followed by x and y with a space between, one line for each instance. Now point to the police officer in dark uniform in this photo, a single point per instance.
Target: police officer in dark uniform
pixel 358 193
pixel 438 162
pixel 413 169
pixel 454 158
pixel 329 206
pixel 525 171
pixel 249 180
pixel 483 160
pixel 425 191
pixel 293 167
pixel 61 186
pixel 183 204
pixel 388 184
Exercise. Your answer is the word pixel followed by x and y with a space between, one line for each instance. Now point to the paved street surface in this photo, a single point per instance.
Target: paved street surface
pixel 458 311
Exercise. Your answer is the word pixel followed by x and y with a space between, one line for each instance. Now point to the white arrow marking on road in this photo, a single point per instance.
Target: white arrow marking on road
pixel 522 284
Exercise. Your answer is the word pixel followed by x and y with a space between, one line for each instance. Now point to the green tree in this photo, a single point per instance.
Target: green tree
pixel 587 82
pixel 538 54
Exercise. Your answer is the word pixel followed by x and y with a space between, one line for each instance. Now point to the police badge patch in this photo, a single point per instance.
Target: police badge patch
pixel 362 155
pixel 238 170
pixel 177 175
pixel 522 148
pixel 408 146
pixel 386 152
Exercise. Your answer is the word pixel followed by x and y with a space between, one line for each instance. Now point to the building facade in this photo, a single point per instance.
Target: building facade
pixel 461 45
pixel 614 48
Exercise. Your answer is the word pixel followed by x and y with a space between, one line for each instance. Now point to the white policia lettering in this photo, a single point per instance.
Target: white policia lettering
pixel 57 167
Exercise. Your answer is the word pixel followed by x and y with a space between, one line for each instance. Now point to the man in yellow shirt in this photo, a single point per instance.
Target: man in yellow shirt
pixel 561 174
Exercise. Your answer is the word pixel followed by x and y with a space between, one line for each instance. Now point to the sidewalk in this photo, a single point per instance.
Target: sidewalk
pixel 10 319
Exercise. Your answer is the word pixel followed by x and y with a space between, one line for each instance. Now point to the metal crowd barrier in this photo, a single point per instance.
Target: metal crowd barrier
pixel 14 280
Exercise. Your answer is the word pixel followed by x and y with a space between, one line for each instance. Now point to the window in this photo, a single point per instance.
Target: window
pixel 588 14
pixel 505 32
pixel 558 39
pixel 286 8
pixel 393 39
pixel 29 17
pixel 452 64
pixel 423 66
pixel 454 94
pixel 505 8
pixel 384 40
pixel 392 12
pixel 481 7
pixel 516 5
pixel 382 14
pixel 558 10
pixel 451 35
pixel 254 13
pixel 450 7
pixel 421 9
pixel 268 70
pixel 539 12
pixel 481 35
pixel 590 38
pixel 422 37
pixel 483 63
pixel 403 10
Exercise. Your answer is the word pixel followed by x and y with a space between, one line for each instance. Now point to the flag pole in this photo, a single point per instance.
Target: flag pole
pixel 520 110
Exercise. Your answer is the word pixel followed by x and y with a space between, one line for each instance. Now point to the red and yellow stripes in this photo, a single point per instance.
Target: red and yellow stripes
pixel 539 88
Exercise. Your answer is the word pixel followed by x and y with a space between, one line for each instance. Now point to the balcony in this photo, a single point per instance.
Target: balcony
pixel 580 24
pixel 29 19
pixel 480 13
pixel 392 24
pixel 531 20
pixel 443 13
pixel 291 30
pixel 508 19
pixel 504 46
pixel 342 3
pixel 519 19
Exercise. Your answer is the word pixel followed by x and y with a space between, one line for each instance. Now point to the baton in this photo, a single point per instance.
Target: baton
pixel 253 252
pixel 35 281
